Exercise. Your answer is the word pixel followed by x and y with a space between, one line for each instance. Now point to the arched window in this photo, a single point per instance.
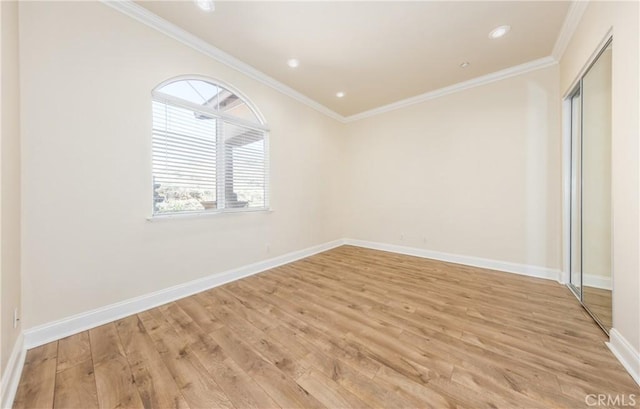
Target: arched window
pixel 209 149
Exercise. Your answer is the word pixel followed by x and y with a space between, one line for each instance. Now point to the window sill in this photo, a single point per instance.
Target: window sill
pixel 204 214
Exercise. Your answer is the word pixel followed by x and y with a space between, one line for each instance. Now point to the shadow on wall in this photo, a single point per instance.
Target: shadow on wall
pixel 537 235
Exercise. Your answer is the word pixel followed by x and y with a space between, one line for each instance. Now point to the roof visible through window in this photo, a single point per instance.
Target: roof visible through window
pixel 211 96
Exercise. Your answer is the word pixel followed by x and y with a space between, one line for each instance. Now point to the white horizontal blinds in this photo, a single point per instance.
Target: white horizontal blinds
pixel 245 167
pixel 184 159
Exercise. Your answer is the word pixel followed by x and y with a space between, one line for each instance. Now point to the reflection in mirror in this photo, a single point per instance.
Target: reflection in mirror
pixel 596 189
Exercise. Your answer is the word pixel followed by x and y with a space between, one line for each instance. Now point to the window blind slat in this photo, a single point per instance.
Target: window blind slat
pixel 194 181
pixel 162 145
pixel 194 166
pixel 246 172
pixel 184 137
pixel 184 159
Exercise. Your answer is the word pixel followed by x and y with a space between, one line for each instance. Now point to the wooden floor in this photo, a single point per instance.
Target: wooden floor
pixel 599 302
pixel 346 328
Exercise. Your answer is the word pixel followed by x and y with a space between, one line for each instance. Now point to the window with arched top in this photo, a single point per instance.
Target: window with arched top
pixel 209 149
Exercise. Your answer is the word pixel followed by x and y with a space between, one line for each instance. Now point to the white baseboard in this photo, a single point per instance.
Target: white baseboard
pixel 12 373
pixel 589 280
pixel 604 283
pixel 626 354
pixel 522 269
pixel 59 329
pixel 620 347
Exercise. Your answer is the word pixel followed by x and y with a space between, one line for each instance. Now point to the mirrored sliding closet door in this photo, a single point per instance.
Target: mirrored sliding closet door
pixel 590 232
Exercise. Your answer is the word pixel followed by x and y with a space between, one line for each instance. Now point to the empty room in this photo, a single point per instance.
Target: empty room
pixel 319 204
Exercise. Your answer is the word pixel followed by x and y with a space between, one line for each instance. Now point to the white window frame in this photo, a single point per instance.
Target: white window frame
pixel 159 96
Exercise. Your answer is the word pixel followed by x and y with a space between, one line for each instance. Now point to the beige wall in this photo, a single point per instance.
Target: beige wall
pixel 475 173
pixel 87 72
pixel 10 178
pixel 623 18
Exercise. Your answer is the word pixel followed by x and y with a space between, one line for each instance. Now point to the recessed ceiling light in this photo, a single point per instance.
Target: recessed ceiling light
pixel 205 5
pixel 499 32
pixel 293 63
pixel 465 64
pixel 340 94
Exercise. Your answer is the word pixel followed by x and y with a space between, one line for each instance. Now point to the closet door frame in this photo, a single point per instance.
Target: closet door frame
pixel 568 175
pixel 575 188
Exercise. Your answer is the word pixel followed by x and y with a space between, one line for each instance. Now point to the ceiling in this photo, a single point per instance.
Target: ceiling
pixel 376 52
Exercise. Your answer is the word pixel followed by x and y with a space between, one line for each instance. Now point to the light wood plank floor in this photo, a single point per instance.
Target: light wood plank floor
pixel 599 302
pixel 346 328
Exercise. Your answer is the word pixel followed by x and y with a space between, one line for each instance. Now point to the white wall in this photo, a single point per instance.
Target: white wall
pixel 475 173
pixel 87 72
pixel 623 19
pixel 10 179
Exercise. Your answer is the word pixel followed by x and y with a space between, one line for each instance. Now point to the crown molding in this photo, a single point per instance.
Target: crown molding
pixel 571 21
pixel 139 13
pixel 472 83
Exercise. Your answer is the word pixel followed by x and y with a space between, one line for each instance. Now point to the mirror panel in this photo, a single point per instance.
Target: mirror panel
pixel 596 189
